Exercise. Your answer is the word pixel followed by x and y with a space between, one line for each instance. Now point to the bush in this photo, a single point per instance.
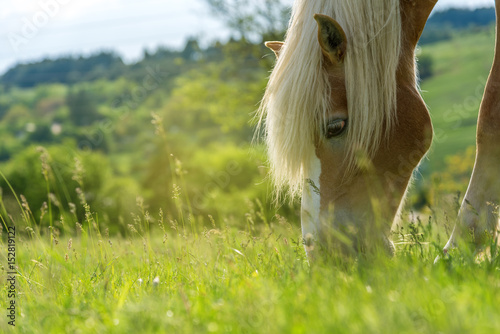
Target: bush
pixel 59 181
pixel 425 66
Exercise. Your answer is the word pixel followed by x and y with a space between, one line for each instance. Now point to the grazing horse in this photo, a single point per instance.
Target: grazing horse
pixel 346 124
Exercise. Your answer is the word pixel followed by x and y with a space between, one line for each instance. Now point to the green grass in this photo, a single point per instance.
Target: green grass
pixel 223 279
pixel 454 93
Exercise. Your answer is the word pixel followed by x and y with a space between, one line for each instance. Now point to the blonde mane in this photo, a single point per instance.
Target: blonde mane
pixel 297 97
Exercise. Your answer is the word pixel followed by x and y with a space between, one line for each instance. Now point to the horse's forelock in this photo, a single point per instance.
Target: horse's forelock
pixel 297 97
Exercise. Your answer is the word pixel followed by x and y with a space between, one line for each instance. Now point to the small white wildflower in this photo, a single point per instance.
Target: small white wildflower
pixel 30 127
pixel 56 129
pixel 140 281
pixel 170 314
pixel 156 281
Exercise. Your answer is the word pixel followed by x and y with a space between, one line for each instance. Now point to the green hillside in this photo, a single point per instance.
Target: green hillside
pixel 454 92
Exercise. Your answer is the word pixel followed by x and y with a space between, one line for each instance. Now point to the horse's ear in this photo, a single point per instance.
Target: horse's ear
pixel 275 47
pixel 331 38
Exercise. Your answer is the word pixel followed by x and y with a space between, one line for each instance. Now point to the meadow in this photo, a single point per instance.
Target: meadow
pixel 163 277
pixel 169 227
pixel 453 94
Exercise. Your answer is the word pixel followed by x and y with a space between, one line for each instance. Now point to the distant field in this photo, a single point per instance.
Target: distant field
pixel 454 93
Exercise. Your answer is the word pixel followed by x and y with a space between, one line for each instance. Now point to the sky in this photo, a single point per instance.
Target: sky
pixel 33 29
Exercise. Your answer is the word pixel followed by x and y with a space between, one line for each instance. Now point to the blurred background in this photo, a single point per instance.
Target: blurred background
pixel 130 106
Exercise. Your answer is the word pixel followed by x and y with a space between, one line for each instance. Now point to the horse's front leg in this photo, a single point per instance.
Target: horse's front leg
pixel 478 218
pixel 479 213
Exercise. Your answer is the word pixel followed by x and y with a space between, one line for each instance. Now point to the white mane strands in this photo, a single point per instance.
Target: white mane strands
pixel 298 93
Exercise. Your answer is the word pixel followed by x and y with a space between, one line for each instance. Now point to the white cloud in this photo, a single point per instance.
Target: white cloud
pixel 75 10
pixel 15 8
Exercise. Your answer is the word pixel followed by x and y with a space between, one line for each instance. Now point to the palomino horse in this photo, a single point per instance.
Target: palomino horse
pixel 346 125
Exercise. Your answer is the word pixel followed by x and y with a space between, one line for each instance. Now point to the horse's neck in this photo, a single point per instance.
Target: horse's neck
pixel 414 14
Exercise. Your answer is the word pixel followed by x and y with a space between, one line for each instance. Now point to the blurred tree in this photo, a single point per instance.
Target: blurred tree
pixel 68 172
pixel 436 34
pixel 443 24
pixel 458 171
pixel 82 108
pixel 214 105
pixel 41 134
pixel 192 50
pixel 66 70
pixel 263 19
pixel 463 17
pixel 4 107
pixel 425 66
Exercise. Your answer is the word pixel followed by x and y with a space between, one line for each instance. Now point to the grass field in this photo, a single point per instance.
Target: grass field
pixel 163 278
pixel 454 93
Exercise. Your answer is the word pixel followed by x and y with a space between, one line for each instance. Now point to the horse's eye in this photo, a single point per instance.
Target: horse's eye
pixel 335 128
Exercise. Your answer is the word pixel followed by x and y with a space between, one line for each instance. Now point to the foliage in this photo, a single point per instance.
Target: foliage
pixel 163 65
pixel 265 19
pixel 458 171
pixel 442 25
pixel 82 108
pixel 53 180
pixel 425 66
pixel 460 18
pixel 209 98
pixel 447 186
pixel 435 34
pixel 67 70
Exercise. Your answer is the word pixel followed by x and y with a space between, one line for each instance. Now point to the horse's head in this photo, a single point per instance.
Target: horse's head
pixel 368 127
